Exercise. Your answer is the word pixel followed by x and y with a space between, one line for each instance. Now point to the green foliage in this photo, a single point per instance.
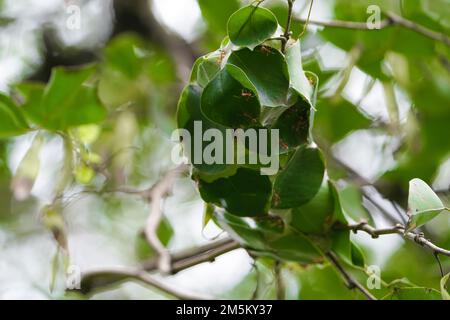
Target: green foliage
pixel 413 294
pixel 130 66
pixel 12 122
pixel 300 180
pixel 143 250
pixel 67 101
pixel 247 193
pixel 292 214
pixel 229 102
pixel 423 204
pixel 251 25
pixel 272 81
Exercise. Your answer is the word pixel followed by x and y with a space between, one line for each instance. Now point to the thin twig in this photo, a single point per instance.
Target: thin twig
pixel 279 281
pixel 438 260
pixel 88 283
pixel 350 282
pixel 307 19
pixel 180 261
pixel 392 20
pixel 398 20
pixel 287 32
pixel 345 24
pixel 156 195
pixel 189 259
pixel 399 229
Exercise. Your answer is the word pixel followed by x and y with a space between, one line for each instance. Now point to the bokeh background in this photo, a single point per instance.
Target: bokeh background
pixel 383 118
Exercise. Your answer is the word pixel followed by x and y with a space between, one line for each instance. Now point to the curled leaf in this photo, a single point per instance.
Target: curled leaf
pixel 423 204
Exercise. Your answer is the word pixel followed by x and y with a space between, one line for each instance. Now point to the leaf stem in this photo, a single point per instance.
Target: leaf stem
pixel 279 281
pixel 287 31
pixel 391 20
pixel 307 19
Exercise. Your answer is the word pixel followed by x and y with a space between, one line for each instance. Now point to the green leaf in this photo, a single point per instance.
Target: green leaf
pixel 207 70
pixel 295 247
pixel 270 224
pixel 144 250
pixel 266 68
pixel 321 282
pixel 293 125
pixel 250 26
pixel 208 214
pixel 298 80
pixel 346 249
pixel 240 230
pixel 229 102
pixel 300 180
pixel 444 291
pixel 357 255
pixel 67 100
pixel 352 204
pixel 101 280
pixel 414 293
pixel 313 217
pixel 245 194
pixel 84 174
pixel 12 122
pixel 131 68
pixel 423 204
pixel 339 214
pixel 188 113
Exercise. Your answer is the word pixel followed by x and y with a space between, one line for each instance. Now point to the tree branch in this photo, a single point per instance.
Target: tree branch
pixel 350 282
pixel 391 20
pixel 344 24
pixel 399 229
pixel 279 283
pixel 189 258
pixel 180 261
pixel 107 277
pixel 156 195
pixel 287 31
pixel 398 20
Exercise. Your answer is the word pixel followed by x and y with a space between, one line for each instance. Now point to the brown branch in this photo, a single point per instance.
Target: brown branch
pixel 399 229
pixel 180 261
pixel 398 20
pixel 345 24
pixel 349 280
pixel 391 20
pixel 189 258
pixel 107 277
pixel 287 31
pixel 156 194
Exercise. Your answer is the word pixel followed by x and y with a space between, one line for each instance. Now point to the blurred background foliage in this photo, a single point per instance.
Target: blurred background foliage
pixel 382 118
